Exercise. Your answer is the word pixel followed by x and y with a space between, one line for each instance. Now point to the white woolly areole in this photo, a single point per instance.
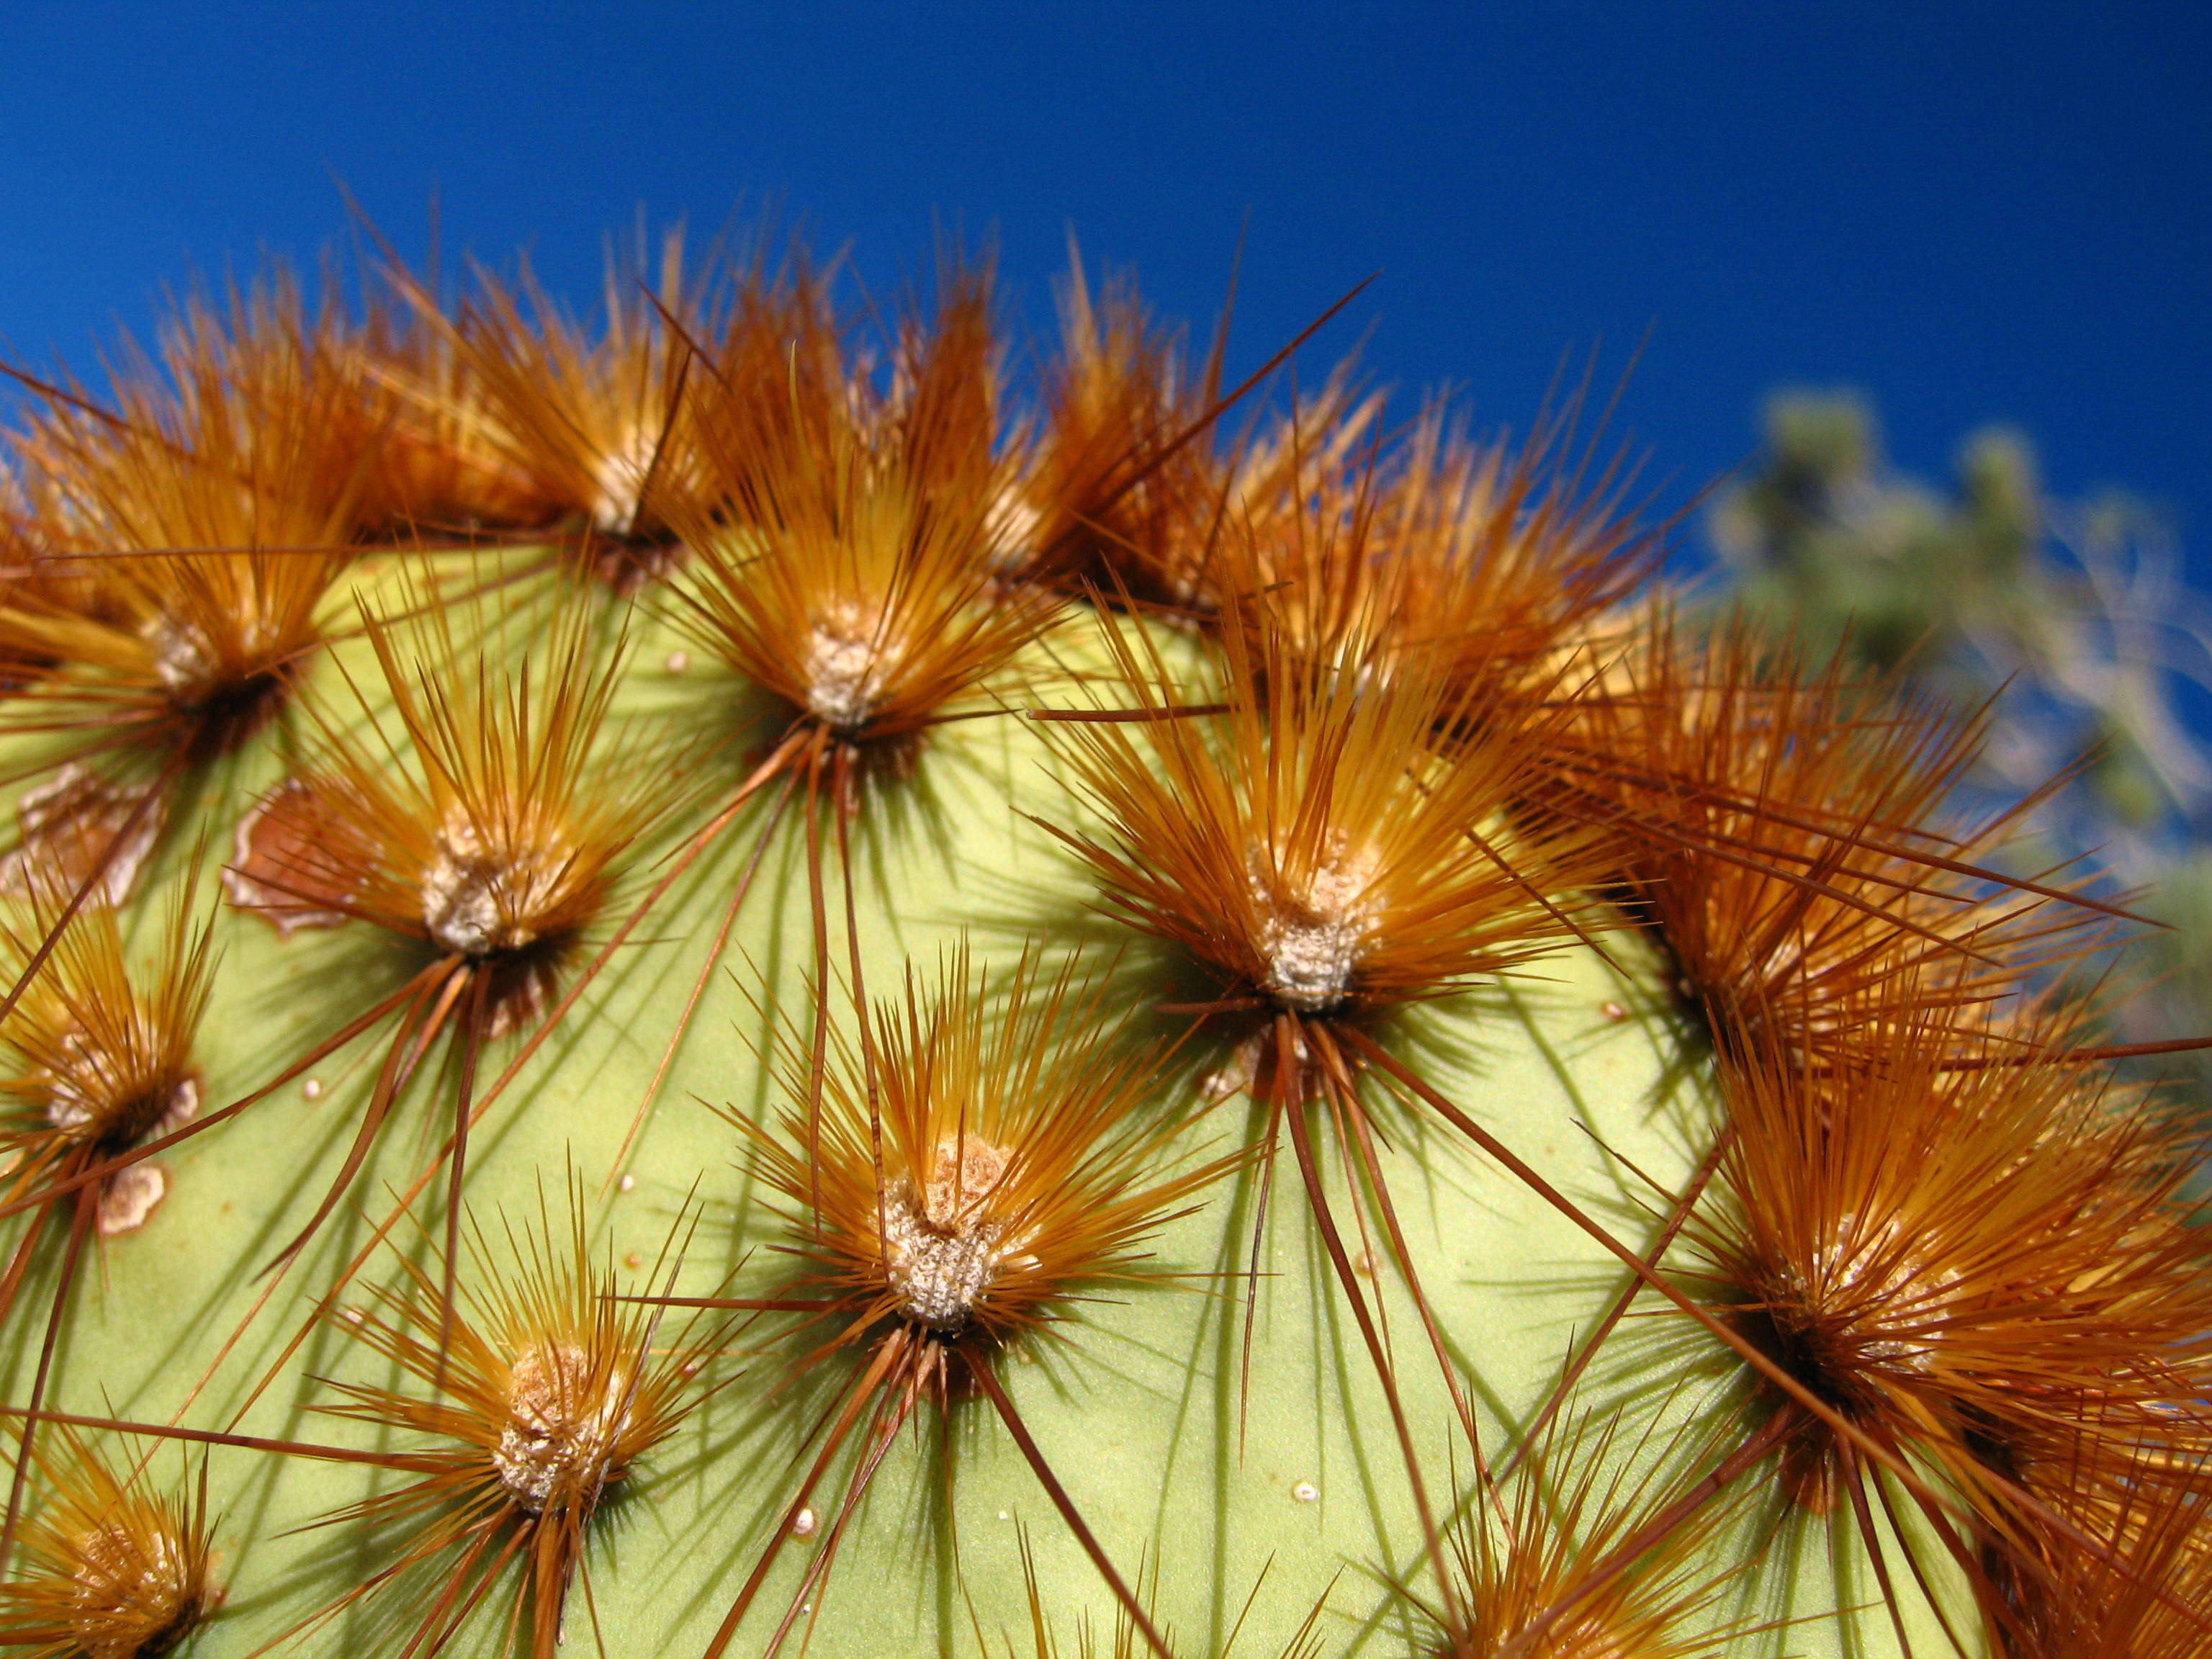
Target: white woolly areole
pixel 1010 530
pixel 181 655
pixel 72 1105
pixel 843 669
pixel 1313 933
pixel 133 1193
pixel 470 895
pixel 942 1250
pixel 619 475
pixel 185 659
pixel 1890 1280
pixel 118 1567
pixel 559 1429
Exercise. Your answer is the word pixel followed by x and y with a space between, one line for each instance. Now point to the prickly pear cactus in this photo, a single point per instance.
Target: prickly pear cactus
pixel 724 984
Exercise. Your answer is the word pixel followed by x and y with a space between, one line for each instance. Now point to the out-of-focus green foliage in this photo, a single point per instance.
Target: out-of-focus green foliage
pixel 2070 620
pixel 1827 532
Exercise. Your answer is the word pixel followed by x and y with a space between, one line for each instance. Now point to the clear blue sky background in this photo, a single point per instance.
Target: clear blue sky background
pixel 1971 212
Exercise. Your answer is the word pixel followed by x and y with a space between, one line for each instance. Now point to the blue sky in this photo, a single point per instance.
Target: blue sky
pixel 1972 212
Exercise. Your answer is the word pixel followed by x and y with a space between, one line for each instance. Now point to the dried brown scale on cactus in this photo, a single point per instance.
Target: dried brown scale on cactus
pixel 198 585
pixel 1381 804
pixel 493 854
pixel 101 1053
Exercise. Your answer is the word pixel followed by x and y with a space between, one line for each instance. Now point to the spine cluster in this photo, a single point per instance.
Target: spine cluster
pixel 583 727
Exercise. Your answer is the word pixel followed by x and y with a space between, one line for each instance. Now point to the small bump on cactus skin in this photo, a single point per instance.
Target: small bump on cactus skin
pixel 1702 1239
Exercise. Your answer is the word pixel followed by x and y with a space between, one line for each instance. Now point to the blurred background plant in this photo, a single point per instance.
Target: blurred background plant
pixel 2072 623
